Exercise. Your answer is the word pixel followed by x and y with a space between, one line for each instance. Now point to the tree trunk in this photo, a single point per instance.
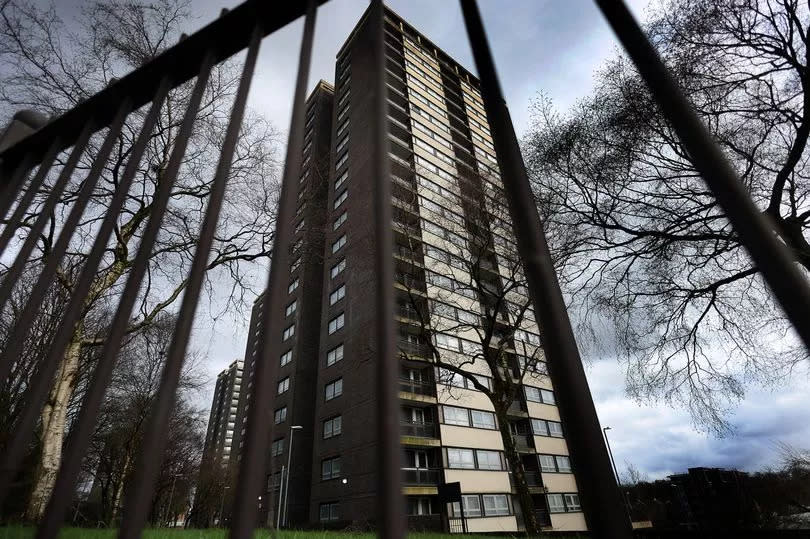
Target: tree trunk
pixel 119 488
pixel 52 429
pixel 524 496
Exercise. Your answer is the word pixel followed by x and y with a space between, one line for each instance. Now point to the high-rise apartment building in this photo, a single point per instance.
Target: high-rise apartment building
pixel 222 421
pixel 460 300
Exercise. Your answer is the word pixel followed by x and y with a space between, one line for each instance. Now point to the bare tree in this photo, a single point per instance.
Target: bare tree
pixel 49 67
pixel 119 432
pixel 641 243
pixel 465 305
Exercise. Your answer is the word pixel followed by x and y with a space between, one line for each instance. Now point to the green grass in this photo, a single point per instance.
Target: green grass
pixel 27 532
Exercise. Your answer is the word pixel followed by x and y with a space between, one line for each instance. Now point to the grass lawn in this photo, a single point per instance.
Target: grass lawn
pixel 25 532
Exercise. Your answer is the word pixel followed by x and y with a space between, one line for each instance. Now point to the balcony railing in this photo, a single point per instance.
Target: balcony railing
pixel 419 429
pixel 420 387
pixel 413 349
pixel 421 476
pixel 523 442
pixel 533 478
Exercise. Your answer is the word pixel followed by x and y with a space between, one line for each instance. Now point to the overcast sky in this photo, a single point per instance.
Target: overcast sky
pixel 552 46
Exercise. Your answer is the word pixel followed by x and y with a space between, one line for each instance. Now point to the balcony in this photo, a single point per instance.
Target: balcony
pixel 421 476
pixel 413 349
pixel 524 443
pixel 419 387
pixel 517 408
pixel 417 429
pixel 533 479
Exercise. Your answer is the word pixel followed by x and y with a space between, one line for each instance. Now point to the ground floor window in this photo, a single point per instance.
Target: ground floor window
pixel 419 505
pixel 329 511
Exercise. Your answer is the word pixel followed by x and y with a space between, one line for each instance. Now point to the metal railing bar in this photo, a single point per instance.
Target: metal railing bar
pixel 153 445
pixel 29 193
pixel 601 499
pixel 48 273
pixel 21 258
pixel 62 494
pixel 390 510
pixel 181 61
pixel 257 434
pixel 9 187
pixel 756 230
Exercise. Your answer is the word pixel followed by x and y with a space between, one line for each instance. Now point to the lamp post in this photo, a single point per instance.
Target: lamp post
pixel 171 495
pixel 287 479
pixel 613 462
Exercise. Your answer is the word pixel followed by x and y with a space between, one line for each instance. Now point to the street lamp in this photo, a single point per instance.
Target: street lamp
pixel 610 453
pixel 287 479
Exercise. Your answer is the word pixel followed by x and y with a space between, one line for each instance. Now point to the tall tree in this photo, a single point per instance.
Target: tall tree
pixel 118 434
pixel 51 66
pixel 642 245
pixel 466 307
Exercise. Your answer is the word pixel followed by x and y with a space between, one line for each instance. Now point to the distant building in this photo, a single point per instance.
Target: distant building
pixel 222 421
pixel 701 499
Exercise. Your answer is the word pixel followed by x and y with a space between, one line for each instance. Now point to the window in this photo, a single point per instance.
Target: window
pixel 448 342
pixel 330 468
pixel 341 198
pixel 333 389
pixel 337 269
pixel 336 323
pixel 472 506
pixel 329 511
pixel 289 332
pixel 548 396
pixel 563 464
pixel 293 285
pixel 532 394
pixel 456 416
pixel 342 161
pixel 554 429
pixel 547 463
pixel 495 504
pixel 340 242
pixel 334 355
pixel 280 415
pixel 337 295
pixel 291 308
pixel 332 427
pixel 286 357
pixel 572 502
pixel 284 385
pixel 488 460
pixel 342 178
pixel 295 265
pixel 277 448
pixel 539 427
pixel 483 420
pixel 340 220
pixel 555 503
pixel 460 458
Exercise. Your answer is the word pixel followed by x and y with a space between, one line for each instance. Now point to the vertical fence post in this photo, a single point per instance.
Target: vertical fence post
pixel 259 427
pixel 599 493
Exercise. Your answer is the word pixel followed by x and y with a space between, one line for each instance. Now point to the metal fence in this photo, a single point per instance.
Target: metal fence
pixel 244 28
